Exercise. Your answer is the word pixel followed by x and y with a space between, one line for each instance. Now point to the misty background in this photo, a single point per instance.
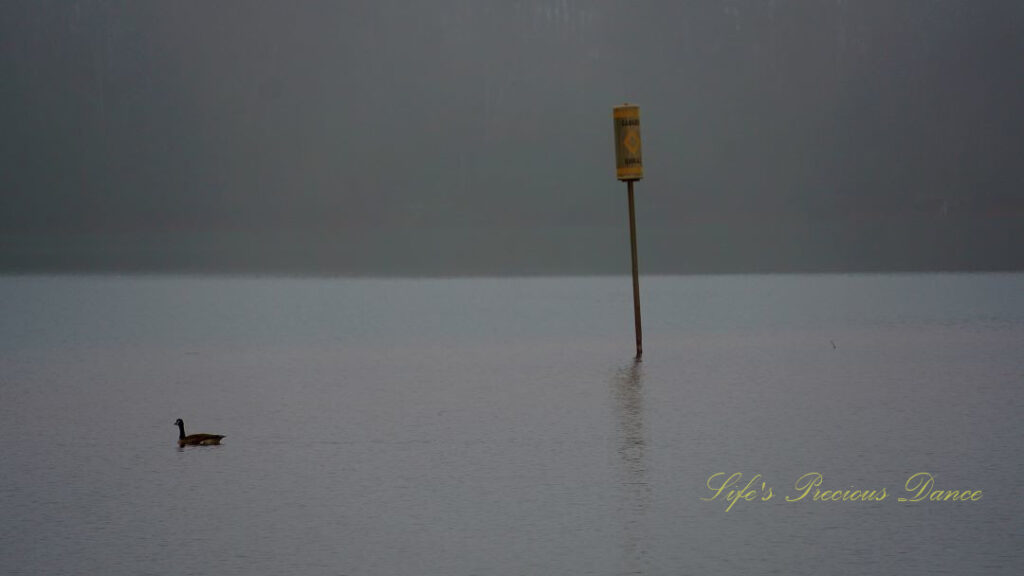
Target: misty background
pixel 475 137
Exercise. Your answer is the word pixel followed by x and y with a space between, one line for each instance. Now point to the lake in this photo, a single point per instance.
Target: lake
pixel 501 426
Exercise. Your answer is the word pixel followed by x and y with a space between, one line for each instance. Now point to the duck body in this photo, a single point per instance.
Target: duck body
pixel 195 439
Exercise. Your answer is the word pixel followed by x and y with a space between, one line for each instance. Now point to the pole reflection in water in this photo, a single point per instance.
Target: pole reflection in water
pixel 631 445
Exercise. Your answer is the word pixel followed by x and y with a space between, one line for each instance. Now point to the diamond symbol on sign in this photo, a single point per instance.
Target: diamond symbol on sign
pixel 632 142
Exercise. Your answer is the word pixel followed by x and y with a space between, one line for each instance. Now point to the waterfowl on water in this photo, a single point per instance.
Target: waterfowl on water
pixel 195 439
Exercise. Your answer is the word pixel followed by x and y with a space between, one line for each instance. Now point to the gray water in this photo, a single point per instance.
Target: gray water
pixel 500 426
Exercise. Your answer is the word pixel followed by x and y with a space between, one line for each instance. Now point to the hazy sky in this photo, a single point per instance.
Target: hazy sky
pixel 475 136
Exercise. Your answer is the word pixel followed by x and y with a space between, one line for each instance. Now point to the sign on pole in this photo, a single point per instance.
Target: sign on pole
pixel 629 160
pixel 629 166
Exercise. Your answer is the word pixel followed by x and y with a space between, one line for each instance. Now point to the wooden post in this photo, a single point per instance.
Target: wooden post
pixel 636 273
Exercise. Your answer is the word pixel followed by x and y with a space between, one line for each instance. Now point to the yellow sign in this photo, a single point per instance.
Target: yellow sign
pixel 629 161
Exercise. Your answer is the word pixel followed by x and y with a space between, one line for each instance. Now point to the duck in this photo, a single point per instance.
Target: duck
pixel 195 439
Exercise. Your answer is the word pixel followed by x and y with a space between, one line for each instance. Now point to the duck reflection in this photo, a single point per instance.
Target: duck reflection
pixel 631 448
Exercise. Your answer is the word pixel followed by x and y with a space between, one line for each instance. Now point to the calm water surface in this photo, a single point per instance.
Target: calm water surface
pixel 500 426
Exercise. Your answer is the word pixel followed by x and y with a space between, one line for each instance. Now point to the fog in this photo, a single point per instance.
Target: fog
pixel 475 137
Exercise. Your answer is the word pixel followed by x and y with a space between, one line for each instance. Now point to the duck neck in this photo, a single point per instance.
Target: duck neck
pixel 181 430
